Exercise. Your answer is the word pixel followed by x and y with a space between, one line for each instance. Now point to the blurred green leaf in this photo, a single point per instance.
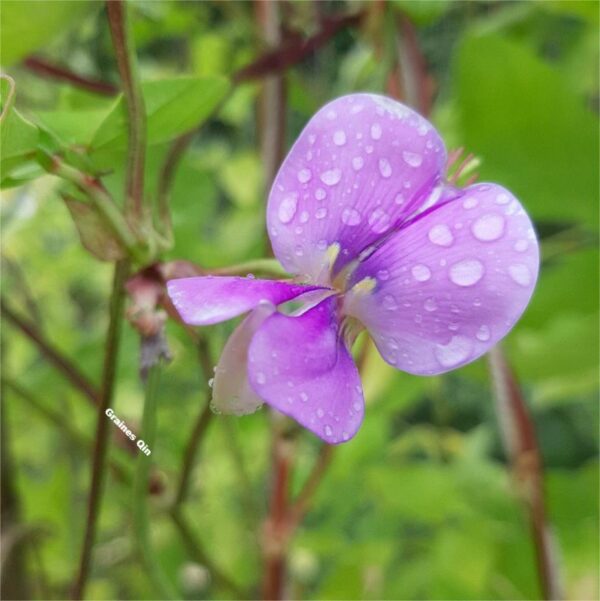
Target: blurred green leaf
pixel 534 135
pixel 173 106
pixel 244 191
pixel 28 25
pixel 95 234
pixel 18 137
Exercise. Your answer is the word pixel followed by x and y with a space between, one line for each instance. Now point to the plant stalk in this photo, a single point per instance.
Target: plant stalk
pixel 99 459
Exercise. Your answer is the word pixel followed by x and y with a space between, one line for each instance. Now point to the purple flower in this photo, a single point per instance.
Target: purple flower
pixel 361 213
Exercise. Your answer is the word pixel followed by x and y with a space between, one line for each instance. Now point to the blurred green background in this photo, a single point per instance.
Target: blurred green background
pixel 421 505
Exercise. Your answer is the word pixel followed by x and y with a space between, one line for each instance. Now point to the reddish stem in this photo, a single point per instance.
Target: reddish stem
pixel 41 66
pixel 523 450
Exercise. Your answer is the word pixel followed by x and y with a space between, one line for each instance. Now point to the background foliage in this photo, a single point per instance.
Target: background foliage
pixel 421 505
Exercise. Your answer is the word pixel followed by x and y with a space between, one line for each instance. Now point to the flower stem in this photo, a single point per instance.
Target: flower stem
pixel 523 451
pixel 99 460
pixel 119 21
pixel 141 520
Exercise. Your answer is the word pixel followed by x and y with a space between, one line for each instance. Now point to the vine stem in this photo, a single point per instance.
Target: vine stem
pixel 141 520
pixel 99 459
pixel 119 22
pixel 522 448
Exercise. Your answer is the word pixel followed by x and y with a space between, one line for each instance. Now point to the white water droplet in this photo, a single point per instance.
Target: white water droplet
pixel 321 213
pixel 261 378
pixel 211 382
pixel 488 227
pixel 320 413
pixel 399 199
pixel 413 159
pixel 351 217
pixel 375 131
pixel 441 235
pixel 304 175
pixel 502 199
pixel 521 245
pixel 430 305
pixel 421 273
pixel 470 203
pixel 379 221
pixel 328 431
pixel 455 352
pixel 339 137
pixel 320 194
pixel 304 216
pixel 467 272
pixel 389 302
pixel 331 177
pixel 287 208
pixel 331 114
pixel 483 333
pixel 299 251
pixel 357 163
pixel 303 397
pixel 383 274
pixel 385 168
pixel 520 274
pixel 356 406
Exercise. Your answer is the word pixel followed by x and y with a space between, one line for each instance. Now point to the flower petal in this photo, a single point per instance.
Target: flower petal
pixel 232 392
pixel 301 367
pixel 363 164
pixel 206 300
pixel 451 284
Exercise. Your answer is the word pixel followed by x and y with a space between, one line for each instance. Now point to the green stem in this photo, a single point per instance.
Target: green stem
pixel 120 29
pixel 141 519
pixel 99 460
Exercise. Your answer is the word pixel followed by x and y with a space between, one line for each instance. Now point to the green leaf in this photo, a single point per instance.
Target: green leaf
pixel 95 234
pixel 18 137
pixel 27 25
pixel 243 191
pixel 533 134
pixel 173 106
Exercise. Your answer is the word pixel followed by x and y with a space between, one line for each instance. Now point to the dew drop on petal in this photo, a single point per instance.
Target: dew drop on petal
pixel 320 413
pixel 331 177
pixel 467 272
pixel 399 199
pixel 287 208
pixel 321 213
pixel 502 199
pixel 383 274
pixel 470 203
pixel 351 217
pixel 430 305
pixel 379 221
pixel 441 235
pixel 304 216
pixel 483 333
pixel 299 251
pixel 521 245
pixel 375 131
pixel 357 163
pixel 304 175
pixel 412 158
pixel 320 194
pixel 260 377
pixel 339 137
pixel 453 353
pixel 520 274
pixel 385 168
pixel 389 302
pixel 421 273
pixel 488 227
pixel 328 431
pixel 303 397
